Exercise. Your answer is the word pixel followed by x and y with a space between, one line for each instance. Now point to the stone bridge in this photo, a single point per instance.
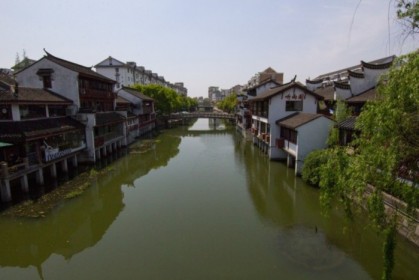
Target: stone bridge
pixel 204 115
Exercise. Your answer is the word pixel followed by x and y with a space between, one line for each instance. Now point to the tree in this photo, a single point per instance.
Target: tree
pixel 387 148
pixel 408 14
pixel 21 63
pixel 229 103
pixel 166 100
pixel 342 112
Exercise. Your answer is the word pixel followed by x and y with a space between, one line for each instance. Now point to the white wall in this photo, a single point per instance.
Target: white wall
pixel 64 81
pixel 90 138
pixel 311 136
pixel 358 85
pixel 265 87
pixel 277 111
pixel 342 94
pixel 313 86
pixel 134 100
pixel 372 76
pixel 15 112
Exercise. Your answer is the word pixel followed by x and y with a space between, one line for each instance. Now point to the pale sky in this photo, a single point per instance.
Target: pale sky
pixel 205 42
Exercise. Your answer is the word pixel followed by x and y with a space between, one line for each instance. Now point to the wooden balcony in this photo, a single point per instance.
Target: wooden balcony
pixel 15 170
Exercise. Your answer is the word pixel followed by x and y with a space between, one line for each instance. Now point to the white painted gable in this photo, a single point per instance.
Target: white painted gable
pixel 110 61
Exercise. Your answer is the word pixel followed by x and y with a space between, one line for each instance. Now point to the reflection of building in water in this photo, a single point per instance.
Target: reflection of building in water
pixel 292 208
pixel 65 233
pixel 147 155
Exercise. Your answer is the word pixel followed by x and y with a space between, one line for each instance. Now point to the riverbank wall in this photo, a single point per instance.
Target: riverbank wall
pixel 407 224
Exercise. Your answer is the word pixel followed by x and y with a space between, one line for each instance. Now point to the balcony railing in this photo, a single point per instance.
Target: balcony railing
pixel 6 170
pixel 104 138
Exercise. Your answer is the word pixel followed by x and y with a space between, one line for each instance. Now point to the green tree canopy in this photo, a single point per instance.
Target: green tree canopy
pixel 386 150
pixel 229 103
pixel 166 99
pixel 408 14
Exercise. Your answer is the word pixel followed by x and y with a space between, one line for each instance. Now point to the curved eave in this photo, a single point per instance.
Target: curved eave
pixel 314 82
pixel 376 66
pixel 342 85
pixel 355 74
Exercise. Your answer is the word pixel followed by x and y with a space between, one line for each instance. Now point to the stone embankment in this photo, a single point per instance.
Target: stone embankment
pixel 408 224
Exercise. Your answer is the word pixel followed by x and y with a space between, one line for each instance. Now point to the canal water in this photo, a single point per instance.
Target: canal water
pixel 201 203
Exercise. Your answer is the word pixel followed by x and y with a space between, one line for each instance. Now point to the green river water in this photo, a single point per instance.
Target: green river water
pixel 202 203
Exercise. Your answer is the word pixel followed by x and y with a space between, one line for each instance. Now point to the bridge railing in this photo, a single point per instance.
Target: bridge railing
pixel 208 115
pixel 204 115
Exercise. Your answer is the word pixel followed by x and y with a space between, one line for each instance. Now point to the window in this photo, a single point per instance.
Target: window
pixel 289 134
pixel 45 75
pixel 47 81
pixel 56 110
pixel 32 111
pixel 294 105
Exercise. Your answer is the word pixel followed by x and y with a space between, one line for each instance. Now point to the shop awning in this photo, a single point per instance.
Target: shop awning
pixel 4 144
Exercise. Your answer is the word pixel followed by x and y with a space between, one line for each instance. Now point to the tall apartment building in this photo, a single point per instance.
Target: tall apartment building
pixel 129 73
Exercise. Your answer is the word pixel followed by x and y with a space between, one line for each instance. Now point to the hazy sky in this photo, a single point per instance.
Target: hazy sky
pixel 205 42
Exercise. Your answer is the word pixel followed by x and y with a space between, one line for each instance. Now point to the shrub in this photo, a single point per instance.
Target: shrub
pixel 312 165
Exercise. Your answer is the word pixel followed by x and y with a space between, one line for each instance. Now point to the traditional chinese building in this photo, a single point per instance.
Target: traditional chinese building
pixel 36 135
pixel 141 106
pixel 92 96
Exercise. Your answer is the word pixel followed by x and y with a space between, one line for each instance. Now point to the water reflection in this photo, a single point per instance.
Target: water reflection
pixel 82 222
pixel 219 209
pixel 304 236
pixel 309 247
pixel 65 232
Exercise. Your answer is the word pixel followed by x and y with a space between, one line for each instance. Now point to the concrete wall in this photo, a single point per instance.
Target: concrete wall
pixel 90 137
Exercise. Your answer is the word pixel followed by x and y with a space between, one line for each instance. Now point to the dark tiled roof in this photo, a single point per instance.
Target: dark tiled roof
pixel 342 85
pixel 33 95
pixel 348 124
pixel 17 131
pixel 363 97
pixel 383 63
pixel 137 93
pixel 107 118
pixel 121 100
pixel 297 119
pixel 314 81
pixel 86 71
pixel 327 92
pixel 377 61
pixel 356 74
pixel 7 79
pixel 264 82
pixel 277 90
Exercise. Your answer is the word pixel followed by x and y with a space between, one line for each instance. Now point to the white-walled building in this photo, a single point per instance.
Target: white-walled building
pixel 286 101
pixel 141 106
pixel 92 96
pixel 302 133
pixel 355 84
pixel 128 74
